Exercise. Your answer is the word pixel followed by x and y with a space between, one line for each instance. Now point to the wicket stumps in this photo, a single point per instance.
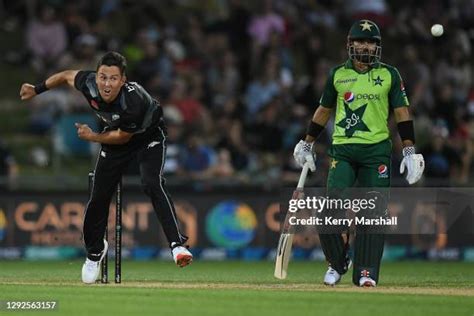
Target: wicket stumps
pixel 104 277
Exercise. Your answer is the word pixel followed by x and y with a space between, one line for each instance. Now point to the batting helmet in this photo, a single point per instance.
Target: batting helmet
pixel 364 30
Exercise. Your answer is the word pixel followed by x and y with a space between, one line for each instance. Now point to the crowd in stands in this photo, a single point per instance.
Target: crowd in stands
pixel 239 80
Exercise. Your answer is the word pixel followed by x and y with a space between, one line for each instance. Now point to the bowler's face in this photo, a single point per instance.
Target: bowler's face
pixel 109 81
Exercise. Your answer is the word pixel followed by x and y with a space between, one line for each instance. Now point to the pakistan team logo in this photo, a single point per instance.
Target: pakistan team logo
pixel 353 120
pixel 378 81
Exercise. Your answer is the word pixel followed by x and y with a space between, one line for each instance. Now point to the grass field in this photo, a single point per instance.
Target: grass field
pixel 240 288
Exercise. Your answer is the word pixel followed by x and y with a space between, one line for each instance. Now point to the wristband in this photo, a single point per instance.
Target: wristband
pixel 406 131
pixel 41 87
pixel 314 129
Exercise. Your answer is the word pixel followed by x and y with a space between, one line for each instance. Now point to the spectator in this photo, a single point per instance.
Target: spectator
pixel 417 81
pixel 261 91
pixel 441 159
pixel 198 158
pixel 261 29
pixel 264 24
pixel 239 39
pixel 192 111
pixel 224 79
pixel 84 54
pixel 155 69
pixel 446 105
pixel 457 72
pixel 312 90
pixel 46 39
pixel 267 133
pixel 75 22
pixel 231 140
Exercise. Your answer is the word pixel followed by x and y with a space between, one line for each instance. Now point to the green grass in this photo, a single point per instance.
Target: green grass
pixel 241 288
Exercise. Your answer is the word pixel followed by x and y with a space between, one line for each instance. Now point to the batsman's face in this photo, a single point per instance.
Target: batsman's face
pixel 109 82
pixel 364 46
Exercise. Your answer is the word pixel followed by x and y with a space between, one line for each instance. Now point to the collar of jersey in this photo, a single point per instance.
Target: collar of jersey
pixel 350 65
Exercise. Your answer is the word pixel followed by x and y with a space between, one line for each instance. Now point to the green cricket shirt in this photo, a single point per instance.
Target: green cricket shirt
pixel 362 102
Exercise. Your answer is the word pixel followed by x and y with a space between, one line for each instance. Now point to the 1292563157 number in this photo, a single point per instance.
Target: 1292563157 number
pixel 28 305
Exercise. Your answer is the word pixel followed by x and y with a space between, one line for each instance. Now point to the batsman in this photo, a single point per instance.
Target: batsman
pixel 362 91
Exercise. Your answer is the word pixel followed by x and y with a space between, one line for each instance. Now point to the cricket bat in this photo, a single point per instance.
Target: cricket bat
pixel 286 238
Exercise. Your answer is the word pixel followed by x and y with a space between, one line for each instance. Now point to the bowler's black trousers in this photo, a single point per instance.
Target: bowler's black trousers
pixel 108 171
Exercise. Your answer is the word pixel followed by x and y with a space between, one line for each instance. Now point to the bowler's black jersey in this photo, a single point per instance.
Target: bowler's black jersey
pixel 133 111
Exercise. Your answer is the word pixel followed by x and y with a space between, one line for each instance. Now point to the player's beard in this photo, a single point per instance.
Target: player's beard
pixel 365 56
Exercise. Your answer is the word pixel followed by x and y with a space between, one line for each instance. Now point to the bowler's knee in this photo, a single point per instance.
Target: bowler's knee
pixel 151 184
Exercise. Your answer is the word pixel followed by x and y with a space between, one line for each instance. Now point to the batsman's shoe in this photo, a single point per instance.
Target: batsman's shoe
pixel 367 282
pixel 332 277
pixel 181 256
pixel 91 269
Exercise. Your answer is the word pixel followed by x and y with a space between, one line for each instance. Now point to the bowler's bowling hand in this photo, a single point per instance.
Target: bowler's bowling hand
pixel 84 131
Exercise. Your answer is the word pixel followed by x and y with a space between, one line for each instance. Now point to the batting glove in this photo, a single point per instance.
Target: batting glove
pixel 415 164
pixel 304 153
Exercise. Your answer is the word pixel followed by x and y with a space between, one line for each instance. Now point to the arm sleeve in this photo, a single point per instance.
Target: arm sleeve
pixel 329 96
pixel 80 80
pixel 397 96
pixel 133 117
pixel 132 121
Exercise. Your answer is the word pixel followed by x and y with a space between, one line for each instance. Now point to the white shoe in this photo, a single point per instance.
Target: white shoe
pixel 367 282
pixel 182 256
pixel 91 269
pixel 332 277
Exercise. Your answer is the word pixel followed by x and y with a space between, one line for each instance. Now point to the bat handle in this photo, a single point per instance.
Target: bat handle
pixel 303 175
